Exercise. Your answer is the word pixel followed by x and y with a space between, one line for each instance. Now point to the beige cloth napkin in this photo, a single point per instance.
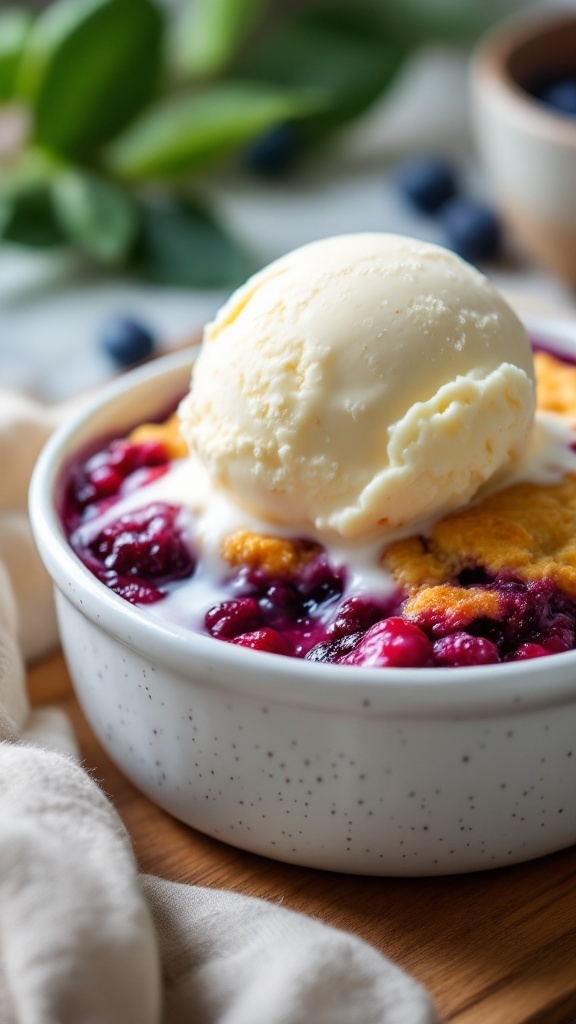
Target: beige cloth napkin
pixel 84 939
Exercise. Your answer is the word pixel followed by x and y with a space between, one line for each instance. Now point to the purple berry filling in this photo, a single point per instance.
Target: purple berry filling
pixel 139 554
pixel 297 608
pixel 145 543
pixel 98 481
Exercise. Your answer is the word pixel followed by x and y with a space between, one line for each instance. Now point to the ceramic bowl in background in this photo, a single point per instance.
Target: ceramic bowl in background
pixel 527 148
pixel 375 771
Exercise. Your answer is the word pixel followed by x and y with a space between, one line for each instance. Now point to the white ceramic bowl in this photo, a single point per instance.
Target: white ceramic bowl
pixel 528 149
pixel 377 771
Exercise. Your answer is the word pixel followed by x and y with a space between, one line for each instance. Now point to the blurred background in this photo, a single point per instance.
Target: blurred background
pixel 153 154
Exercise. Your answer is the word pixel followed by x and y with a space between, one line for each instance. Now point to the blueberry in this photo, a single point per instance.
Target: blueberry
pixel 426 182
pixel 275 152
pixel 126 341
pixel 562 96
pixel 472 229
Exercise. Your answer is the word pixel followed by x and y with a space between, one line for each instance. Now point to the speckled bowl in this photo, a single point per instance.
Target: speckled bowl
pixel 376 771
pixel 528 149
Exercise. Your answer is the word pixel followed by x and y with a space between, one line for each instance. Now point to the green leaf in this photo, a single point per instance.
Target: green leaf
pixel 14 27
pixel 27 217
pixel 186 134
pixel 180 243
pixel 31 169
pixel 363 19
pixel 420 22
pixel 343 55
pixel 210 32
pixel 97 215
pixel 88 68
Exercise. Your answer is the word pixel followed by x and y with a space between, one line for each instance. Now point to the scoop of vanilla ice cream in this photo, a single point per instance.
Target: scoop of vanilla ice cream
pixel 359 384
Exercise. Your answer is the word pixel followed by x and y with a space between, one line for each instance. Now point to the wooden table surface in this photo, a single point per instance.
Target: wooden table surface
pixel 492 948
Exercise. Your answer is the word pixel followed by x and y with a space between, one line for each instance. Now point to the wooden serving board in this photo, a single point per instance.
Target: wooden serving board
pixel 492 948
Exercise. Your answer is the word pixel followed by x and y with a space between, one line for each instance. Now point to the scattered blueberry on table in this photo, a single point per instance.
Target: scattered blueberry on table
pixel 561 96
pixel 275 152
pixel 426 182
pixel 126 340
pixel 472 229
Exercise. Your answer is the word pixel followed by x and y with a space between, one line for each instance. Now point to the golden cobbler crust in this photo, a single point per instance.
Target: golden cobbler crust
pixel 556 385
pixel 168 433
pixel 452 604
pixel 526 530
pixel 274 555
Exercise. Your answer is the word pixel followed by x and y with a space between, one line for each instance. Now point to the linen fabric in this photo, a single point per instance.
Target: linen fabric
pixel 85 939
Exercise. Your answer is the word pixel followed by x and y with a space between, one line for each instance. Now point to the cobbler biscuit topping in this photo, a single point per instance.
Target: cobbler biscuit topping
pixel 556 385
pixel 525 530
pixel 275 556
pixel 167 434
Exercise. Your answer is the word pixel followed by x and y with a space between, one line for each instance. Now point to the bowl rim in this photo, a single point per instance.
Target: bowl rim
pixel 479 691
pixel 489 71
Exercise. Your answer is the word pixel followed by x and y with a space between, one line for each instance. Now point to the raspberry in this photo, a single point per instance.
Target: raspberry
pixel 264 640
pixel 527 651
pixel 121 454
pixel 103 474
pixel 394 642
pixel 134 591
pixel 230 619
pixel 464 649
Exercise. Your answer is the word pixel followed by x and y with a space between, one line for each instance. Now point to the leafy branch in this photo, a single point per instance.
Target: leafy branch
pixel 110 113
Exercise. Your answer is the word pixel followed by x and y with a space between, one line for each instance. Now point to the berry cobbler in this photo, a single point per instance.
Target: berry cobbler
pixel 493 582
pixel 372 468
